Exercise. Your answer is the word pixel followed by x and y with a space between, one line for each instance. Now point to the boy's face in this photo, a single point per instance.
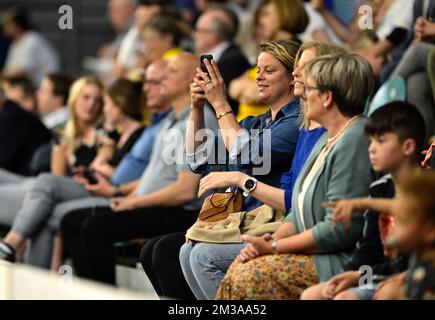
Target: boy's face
pixel 385 152
pixel 411 232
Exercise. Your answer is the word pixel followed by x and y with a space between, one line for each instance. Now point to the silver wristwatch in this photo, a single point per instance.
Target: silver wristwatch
pixel 249 185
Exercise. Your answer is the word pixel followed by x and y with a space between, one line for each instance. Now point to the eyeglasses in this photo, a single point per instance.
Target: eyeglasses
pixel 199 30
pixel 307 89
pixel 152 82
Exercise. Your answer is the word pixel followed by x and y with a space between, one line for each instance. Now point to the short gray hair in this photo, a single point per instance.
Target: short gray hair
pixel 225 28
pixel 348 76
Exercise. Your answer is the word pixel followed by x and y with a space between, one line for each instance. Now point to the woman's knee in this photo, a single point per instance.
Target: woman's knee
pixel 146 254
pixel 46 179
pixel 346 295
pixel 65 225
pixel 200 254
pixel 184 255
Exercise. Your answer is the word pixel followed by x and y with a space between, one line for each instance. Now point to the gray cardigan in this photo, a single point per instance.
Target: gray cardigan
pixel 346 173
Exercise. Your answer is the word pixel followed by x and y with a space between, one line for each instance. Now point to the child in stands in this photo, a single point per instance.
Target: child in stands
pixel 414 231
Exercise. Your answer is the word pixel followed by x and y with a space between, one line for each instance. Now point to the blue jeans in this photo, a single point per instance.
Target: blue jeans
pixel 363 294
pixel 204 266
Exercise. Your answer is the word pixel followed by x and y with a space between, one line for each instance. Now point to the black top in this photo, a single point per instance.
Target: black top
pixel 369 249
pixel 85 154
pixel 21 133
pixel 121 152
pixel 232 64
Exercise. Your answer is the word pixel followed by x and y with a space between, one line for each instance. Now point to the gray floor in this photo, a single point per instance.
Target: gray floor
pixel 134 279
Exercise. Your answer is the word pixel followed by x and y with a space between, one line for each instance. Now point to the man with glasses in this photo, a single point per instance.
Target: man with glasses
pixel 214 34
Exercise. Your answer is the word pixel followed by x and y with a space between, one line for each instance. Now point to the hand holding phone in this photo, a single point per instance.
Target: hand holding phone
pixel 88 174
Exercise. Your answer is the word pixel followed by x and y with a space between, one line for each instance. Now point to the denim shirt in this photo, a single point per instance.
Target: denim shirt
pixel 264 149
pixel 135 162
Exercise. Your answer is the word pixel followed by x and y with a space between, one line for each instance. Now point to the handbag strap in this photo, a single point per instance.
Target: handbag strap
pixel 224 204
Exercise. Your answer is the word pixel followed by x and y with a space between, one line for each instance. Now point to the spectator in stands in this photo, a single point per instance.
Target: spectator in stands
pixel 128 56
pixel 397 134
pixel 308 247
pixel 20 134
pixel 121 15
pixel 30 53
pixel 52 96
pixel 392 30
pixel 283 19
pixel 339 17
pixel 162 38
pixel 19 89
pixel 164 201
pixel 214 34
pixel 414 68
pixel 121 108
pixel 79 143
pixel 423 11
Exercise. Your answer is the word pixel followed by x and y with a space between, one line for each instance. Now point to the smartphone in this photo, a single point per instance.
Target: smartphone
pixel 90 176
pixel 56 139
pixel 208 57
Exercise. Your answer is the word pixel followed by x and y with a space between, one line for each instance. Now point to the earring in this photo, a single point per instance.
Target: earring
pixel 325 105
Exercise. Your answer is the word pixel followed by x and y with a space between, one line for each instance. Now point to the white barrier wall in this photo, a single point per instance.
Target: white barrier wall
pixel 20 282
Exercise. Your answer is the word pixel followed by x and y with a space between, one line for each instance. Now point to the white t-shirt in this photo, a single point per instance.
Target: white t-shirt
pixel 316 23
pixel 56 119
pixel 398 15
pixel 34 55
pixel 129 50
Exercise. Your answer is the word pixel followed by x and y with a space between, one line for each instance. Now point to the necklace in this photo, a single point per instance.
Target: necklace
pixel 330 142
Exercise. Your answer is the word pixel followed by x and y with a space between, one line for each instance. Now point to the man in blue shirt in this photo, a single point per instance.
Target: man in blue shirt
pixel 134 163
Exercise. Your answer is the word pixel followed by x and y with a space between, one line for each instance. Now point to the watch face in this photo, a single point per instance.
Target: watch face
pixel 249 184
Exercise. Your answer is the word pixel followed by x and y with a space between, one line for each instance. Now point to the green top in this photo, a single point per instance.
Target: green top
pixel 346 173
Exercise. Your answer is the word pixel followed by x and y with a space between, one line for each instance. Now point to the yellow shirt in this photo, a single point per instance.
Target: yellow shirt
pixel 172 53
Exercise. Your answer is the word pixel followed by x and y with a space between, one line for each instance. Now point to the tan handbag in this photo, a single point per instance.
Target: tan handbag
pixel 256 222
pixel 220 205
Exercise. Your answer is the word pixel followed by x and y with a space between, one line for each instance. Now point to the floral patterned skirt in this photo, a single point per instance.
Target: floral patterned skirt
pixel 270 277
